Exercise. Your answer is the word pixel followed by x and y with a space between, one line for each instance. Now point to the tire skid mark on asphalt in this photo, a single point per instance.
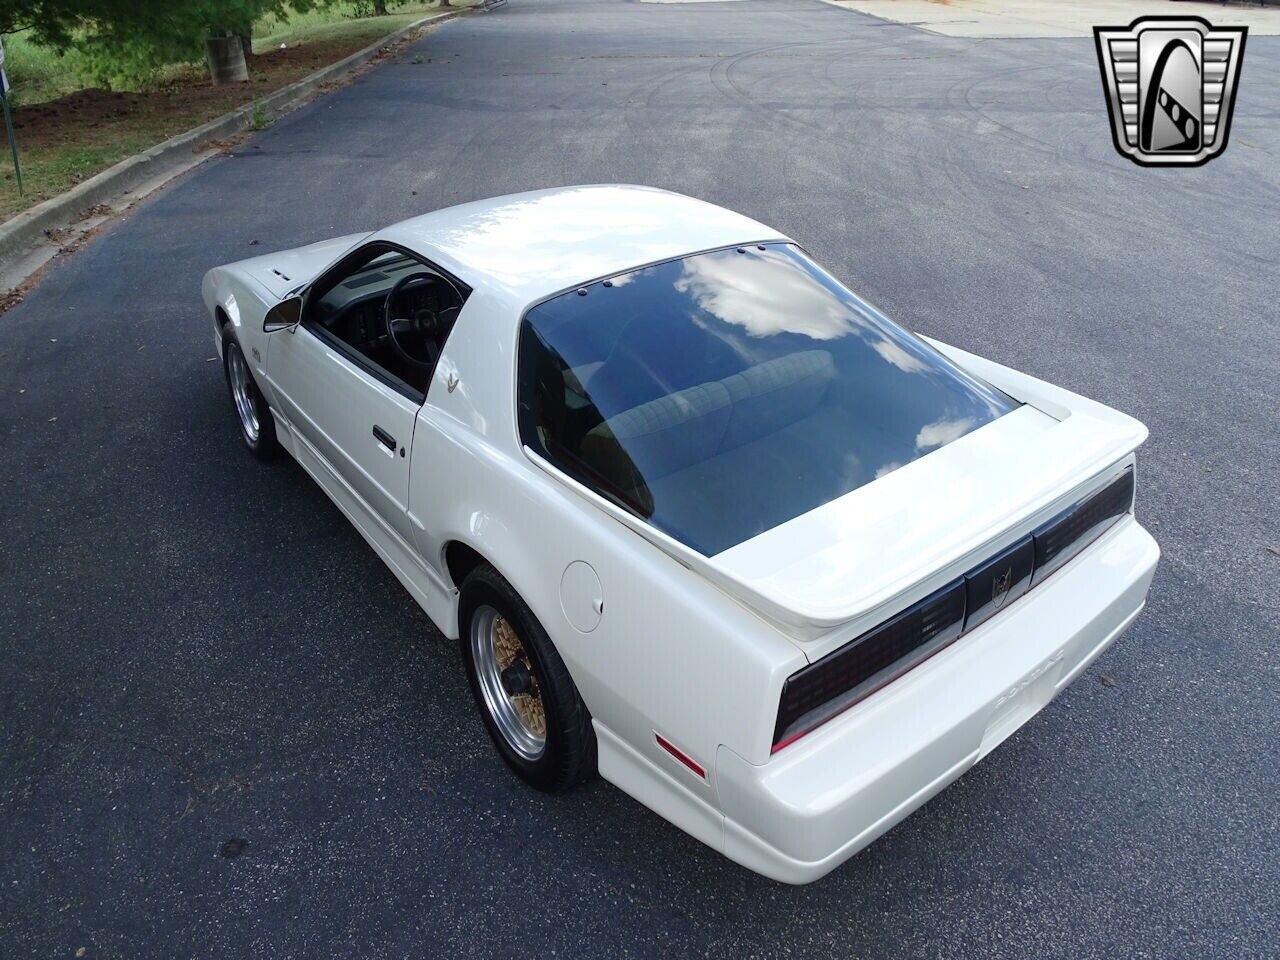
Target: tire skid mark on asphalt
pixel 652 92
pixel 723 76
pixel 1091 140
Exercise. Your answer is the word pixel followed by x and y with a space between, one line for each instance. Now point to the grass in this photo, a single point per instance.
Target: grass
pixel 258 120
pixel 46 173
pixel 270 32
pixel 38 73
pixel 68 132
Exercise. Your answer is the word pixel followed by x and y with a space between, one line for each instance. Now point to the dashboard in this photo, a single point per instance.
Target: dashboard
pixel 359 321
pixel 352 310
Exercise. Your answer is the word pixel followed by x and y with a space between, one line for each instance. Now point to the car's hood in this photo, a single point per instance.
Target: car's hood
pixel 286 270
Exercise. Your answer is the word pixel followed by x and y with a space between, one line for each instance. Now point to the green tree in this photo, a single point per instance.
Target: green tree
pixel 130 39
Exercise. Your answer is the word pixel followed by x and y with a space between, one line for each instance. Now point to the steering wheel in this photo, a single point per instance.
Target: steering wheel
pixel 421 327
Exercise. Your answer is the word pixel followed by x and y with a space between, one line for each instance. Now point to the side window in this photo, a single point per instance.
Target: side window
pixel 388 310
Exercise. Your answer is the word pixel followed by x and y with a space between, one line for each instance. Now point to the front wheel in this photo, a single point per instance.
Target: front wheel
pixel 528 701
pixel 257 427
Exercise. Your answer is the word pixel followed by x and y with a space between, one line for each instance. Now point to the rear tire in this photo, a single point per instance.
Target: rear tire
pixel 257 426
pixel 528 701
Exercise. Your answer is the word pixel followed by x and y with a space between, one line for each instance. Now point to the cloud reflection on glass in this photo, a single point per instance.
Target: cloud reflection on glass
pixel 724 393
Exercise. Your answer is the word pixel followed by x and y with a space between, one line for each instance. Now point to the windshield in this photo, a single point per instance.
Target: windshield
pixel 725 393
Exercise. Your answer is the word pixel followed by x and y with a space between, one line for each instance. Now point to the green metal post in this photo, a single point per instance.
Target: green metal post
pixel 13 142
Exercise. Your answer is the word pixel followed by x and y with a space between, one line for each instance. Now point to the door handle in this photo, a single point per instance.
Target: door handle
pixel 384 438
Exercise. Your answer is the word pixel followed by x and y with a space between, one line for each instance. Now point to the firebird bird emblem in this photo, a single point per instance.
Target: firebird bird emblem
pixel 1000 588
pixel 1170 84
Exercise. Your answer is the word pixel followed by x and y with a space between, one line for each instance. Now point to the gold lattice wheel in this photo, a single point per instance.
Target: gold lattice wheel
pixel 528 704
pixel 508 683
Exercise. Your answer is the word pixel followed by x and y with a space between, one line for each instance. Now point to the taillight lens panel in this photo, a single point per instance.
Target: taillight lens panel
pixel 828 687
pixel 815 694
pixel 1078 526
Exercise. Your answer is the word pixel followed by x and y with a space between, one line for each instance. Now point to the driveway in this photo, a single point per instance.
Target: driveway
pixel 198 649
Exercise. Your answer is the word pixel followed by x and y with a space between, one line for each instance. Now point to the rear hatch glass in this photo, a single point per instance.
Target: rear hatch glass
pixel 722 394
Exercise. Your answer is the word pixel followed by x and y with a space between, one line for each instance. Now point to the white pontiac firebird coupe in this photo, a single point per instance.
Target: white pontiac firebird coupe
pixel 700 518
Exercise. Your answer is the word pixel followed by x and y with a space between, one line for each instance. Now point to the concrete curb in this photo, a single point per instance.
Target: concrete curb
pixel 27 228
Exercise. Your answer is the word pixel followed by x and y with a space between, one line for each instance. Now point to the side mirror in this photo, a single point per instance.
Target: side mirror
pixel 284 314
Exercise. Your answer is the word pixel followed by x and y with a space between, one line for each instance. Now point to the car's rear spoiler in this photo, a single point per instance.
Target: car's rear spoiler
pixel 860 557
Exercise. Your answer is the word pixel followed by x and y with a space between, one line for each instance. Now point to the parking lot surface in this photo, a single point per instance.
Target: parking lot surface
pixel 1052 18
pixel 226 731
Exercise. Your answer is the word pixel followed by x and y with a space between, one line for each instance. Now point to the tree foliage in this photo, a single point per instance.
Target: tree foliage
pixel 130 39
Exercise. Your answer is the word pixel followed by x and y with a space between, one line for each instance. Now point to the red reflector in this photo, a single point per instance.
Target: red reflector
pixel 684 758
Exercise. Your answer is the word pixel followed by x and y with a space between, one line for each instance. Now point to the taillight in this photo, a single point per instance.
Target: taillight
pixel 1075 528
pixel 820 691
pixel 833 684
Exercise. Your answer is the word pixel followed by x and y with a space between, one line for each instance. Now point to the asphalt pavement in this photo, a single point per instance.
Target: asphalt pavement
pixel 226 731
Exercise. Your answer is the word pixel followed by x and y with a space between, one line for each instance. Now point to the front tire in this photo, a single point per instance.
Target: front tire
pixel 528 702
pixel 257 426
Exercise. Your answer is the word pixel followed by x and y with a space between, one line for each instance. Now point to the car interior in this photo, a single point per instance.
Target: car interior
pixel 392 310
pixel 724 426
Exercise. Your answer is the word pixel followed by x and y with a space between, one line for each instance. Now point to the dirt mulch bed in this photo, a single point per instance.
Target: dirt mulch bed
pixel 65 141
pixel 47 123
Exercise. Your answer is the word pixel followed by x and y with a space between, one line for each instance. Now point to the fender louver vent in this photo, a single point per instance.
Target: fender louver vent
pixel 822 690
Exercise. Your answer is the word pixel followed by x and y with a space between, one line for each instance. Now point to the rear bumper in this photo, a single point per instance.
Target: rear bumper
pixel 822 799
